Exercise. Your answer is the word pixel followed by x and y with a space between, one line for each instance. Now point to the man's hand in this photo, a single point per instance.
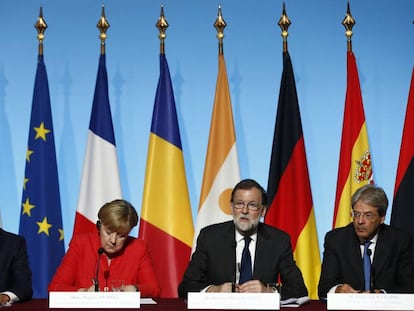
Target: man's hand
pixel 4 299
pixel 346 288
pixel 253 286
pixel 223 288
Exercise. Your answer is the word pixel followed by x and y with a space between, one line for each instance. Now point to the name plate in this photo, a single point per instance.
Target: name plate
pixel 235 301
pixel 94 300
pixel 370 301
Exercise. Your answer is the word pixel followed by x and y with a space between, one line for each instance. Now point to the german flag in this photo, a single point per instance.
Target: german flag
pixel 289 192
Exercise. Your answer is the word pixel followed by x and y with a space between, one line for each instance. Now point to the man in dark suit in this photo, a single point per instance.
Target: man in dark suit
pixel 390 263
pixel 15 273
pixel 217 263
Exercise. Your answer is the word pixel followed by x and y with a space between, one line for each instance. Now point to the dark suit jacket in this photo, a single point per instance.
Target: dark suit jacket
pixel 392 265
pixel 214 260
pixel 15 274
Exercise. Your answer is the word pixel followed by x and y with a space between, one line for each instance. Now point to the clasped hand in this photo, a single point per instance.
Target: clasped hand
pixel 127 288
pixel 346 288
pixel 253 286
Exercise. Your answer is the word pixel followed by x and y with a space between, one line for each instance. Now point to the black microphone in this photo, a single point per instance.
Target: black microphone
pixel 95 280
pixel 233 283
pixel 371 272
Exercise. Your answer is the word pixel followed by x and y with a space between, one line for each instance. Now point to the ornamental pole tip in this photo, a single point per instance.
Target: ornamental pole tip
pixel 348 23
pixel 284 23
pixel 220 24
pixel 162 26
pixel 41 28
pixel 103 26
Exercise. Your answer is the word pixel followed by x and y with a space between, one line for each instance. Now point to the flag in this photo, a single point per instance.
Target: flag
pixel 100 177
pixel 355 167
pixel 221 170
pixel 166 222
pixel 402 207
pixel 41 215
pixel 289 192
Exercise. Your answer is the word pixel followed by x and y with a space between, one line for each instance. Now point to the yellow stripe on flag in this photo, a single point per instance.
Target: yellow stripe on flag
pixel 164 188
pixel 307 259
pixel 359 175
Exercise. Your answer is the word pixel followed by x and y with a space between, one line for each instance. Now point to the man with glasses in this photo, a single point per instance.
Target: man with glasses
pixel 244 255
pixel 367 255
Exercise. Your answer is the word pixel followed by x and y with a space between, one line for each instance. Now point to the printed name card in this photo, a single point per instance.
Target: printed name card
pixel 94 300
pixel 370 301
pixel 235 301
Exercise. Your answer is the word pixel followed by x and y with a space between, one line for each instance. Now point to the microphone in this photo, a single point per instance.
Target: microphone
pixel 95 280
pixel 371 272
pixel 233 283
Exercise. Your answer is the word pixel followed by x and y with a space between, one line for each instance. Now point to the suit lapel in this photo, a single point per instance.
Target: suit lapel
pixel 229 251
pixel 260 255
pixel 381 253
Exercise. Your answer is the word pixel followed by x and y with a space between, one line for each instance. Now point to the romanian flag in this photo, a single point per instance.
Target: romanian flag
pixel 402 207
pixel 289 192
pixel 166 221
pixel 355 167
pixel 41 215
pixel 221 170
pixel 100 178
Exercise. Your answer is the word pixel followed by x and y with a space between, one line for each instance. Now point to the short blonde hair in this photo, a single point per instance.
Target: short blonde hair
pixel 118 216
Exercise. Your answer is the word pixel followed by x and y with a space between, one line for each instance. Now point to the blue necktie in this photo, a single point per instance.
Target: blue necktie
pixel 246 262
pixel 367 266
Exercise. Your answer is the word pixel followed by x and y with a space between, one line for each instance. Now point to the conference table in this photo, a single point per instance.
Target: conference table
pixel 161 305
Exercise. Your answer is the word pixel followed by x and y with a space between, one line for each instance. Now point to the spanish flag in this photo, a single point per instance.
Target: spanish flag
pixel 221 170
pixel 166 221
pixel 289 192
pixel 355 167
pixel 402 207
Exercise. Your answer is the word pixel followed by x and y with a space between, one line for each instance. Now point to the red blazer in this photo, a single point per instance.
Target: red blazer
pixel 133 265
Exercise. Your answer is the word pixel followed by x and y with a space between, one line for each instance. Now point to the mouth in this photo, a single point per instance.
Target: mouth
pixel 244 219
pixel 361 229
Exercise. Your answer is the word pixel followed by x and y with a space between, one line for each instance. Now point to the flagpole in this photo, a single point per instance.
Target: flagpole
pixel 103 26
pixel 220 24
pixel 41 28
pixel 162 26
pixel 348 23
pixel 284 24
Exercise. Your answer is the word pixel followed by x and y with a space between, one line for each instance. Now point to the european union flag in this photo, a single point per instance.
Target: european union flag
pixel 41 216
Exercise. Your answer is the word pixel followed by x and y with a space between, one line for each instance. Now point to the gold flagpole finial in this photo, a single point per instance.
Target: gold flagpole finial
pixel 41 28
pixel 348 23
pixel 284 24
pixel 162 26
pixel 220 24
pixel 103 26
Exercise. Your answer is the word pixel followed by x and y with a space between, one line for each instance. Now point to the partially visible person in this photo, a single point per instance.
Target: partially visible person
pixel 389 250
pixel 15 273
pixel 217 263
pixel 110 254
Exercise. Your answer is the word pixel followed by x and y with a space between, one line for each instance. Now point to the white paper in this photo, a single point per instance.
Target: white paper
pixel 365 301
pixel 239 301
pixel 118 300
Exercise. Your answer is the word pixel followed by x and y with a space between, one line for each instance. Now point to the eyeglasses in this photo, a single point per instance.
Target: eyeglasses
pixel 252 206
pixel 367 215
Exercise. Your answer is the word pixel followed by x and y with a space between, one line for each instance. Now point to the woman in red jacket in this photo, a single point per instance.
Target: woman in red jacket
pixel 96 259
